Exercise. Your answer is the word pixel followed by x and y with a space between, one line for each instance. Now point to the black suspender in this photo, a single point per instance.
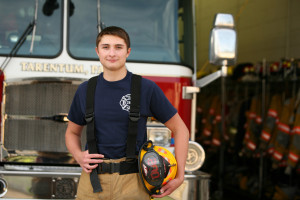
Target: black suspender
pixel 90 131
pixel 134 116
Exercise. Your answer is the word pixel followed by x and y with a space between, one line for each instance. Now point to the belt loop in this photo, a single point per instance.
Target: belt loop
pixel 100 167
pixel 112 168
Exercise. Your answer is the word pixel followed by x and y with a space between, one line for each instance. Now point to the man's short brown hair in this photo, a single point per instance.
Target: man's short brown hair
pixel 116 31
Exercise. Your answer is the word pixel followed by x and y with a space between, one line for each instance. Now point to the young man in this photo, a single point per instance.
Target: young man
pixel 111 123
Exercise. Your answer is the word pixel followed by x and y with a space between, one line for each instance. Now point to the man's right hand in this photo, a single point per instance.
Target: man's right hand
pixel 88 162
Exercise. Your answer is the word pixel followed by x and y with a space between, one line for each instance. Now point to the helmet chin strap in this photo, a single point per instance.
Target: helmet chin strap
pixel 145 146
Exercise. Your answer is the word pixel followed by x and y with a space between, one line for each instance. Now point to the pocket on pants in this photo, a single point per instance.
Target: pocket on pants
pixel 85 189
pixel 132 188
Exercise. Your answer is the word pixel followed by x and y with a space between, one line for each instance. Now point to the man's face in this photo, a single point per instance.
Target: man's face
pixel 112 52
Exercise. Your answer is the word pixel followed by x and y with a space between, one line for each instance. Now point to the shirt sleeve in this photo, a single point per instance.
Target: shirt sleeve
pixel 161 107
pixel 77 108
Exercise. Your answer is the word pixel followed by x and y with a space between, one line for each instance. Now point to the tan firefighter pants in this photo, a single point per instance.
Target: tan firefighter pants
pixel 115 187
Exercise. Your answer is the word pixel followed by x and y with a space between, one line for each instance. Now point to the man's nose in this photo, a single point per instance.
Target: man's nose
pixel 112 52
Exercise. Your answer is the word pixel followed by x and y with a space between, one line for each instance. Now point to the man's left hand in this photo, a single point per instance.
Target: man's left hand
pixel 169 188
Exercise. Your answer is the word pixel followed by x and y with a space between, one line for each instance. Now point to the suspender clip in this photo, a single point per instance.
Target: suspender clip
pixel 89 117
pixel 134 116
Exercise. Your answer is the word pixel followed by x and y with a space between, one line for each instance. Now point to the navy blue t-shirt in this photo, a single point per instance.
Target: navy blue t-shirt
pixel 112 104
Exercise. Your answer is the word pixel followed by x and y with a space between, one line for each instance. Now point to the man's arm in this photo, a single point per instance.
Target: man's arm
pixel 181 136
pixel 73 143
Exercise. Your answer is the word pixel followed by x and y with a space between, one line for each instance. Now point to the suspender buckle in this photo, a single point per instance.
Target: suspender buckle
pixel 134 116
pixel 89 117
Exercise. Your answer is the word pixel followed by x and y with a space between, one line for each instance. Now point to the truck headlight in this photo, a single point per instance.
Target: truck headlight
pixel 160 136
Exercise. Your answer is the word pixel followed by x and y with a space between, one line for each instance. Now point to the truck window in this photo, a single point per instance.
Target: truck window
pixel 18 14
pixel 152 27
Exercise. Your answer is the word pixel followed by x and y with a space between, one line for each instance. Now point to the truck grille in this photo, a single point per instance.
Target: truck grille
pixel 32 106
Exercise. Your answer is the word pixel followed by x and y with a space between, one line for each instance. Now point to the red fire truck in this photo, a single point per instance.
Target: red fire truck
pixel 47 50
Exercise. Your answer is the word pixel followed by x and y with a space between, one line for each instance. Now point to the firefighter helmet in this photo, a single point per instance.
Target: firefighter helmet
pixel 157 166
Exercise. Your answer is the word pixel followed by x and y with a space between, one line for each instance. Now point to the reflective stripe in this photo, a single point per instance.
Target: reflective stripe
pixel 247 135
pixel 251 145
pixel 206 132
pixel 207 142
pixel 272 113
pixel 226 137
pixel 162 150
pixel 199 110
pixel 216 142
pixel 277 155
pixel 218 117
pixel 293 157
pixel 252 115
pixel 258 120
pixel 271 150
pixel 265 135
pixel 296 130
pixel 284 128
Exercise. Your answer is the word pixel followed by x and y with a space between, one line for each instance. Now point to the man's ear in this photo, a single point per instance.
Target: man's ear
pixel 97 52
pixel 128 52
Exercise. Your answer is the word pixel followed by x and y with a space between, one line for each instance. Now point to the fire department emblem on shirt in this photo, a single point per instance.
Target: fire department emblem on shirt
pixel 125 102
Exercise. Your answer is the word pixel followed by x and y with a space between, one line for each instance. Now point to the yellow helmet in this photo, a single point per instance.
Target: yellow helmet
pixel 157 166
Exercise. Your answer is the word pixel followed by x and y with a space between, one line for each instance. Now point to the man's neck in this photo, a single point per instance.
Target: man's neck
pixel 114 75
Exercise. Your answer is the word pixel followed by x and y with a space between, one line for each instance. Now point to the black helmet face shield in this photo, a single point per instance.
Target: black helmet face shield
pixel 155 168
